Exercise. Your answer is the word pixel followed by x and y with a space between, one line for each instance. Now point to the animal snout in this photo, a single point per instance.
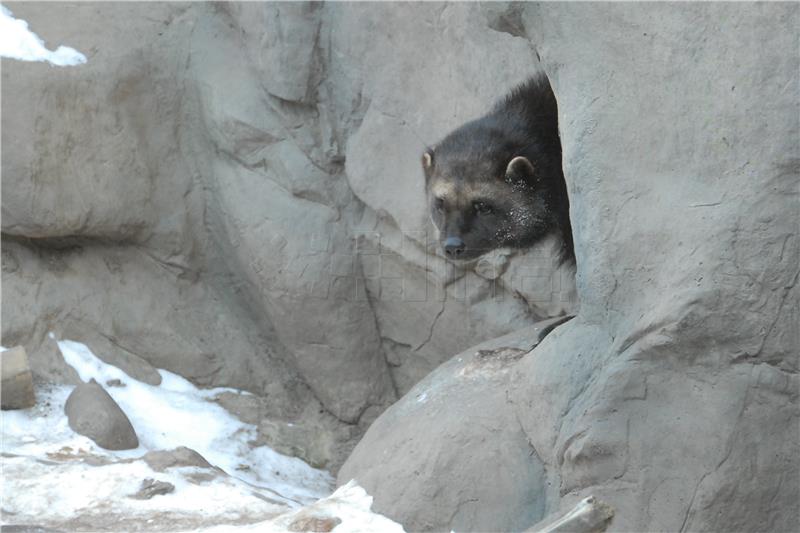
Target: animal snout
pixel 454 247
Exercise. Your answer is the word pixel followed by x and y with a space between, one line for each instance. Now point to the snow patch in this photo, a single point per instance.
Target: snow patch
pixel 350 503
pixel 18 42
pixel 53 476
pixel 176 413
pixel 56 478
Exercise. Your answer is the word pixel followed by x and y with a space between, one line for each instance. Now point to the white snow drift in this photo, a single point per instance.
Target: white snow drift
pixel 55 477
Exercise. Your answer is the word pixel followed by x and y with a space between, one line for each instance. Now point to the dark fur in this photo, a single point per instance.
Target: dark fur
pixel 470 164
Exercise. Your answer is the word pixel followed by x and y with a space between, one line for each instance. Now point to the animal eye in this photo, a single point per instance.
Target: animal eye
pixel 438 203
pixel 483 208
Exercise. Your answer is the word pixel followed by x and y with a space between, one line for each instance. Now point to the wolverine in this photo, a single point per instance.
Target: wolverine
pixel 497 181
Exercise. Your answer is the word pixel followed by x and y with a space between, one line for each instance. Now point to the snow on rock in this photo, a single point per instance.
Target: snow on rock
pixel 18 42
pixel 348 508
pixel 176 413
pixel 54 477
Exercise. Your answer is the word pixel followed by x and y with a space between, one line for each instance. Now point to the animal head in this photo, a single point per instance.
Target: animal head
pixel 483 201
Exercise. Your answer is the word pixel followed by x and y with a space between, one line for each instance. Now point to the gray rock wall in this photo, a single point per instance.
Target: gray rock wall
pixel 680 130
pixel 232 192
pixel 673 396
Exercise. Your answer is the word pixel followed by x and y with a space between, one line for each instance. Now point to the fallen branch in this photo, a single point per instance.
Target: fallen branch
pixel 588 516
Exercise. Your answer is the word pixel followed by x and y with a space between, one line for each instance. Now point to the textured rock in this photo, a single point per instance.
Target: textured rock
pixel 285 40
pixel 218 214
pixel 117 301
pixel 451 454
pixel 66 183
pixel 313 435
pixel 287 221
pixel 160 460
pixel 684 354
pixel 151 487
pixel 92 412
pixel 679 373
pixel 17 381
pixel 122 274
pixel 226 208
pixel 312 443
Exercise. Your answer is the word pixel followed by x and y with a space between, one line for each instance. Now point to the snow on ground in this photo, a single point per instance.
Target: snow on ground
pixel 176 413
pixel 350 504
pixel 57 478
pixel 18 42
pixel 65 492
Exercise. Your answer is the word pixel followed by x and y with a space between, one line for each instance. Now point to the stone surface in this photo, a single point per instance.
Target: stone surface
pixel 17 382
pixel 212 212
pixel 655 397
pixel 451 455
pixel 151 487
pixel 673 396
pixel 253 213
pixel 313 435
pixel 310 442
pixel 161 460
pixel 92 412
pixel 68 184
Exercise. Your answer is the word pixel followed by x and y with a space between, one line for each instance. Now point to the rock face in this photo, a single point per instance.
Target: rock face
pixel 218 209
pixel 92 412
pixel 232 192
pixel 673 396
pixel 17 381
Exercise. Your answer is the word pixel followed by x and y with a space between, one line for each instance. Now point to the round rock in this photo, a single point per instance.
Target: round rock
pixel 92 412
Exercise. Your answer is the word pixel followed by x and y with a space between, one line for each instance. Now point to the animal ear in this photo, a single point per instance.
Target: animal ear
pixel 519 169
pixel 427 163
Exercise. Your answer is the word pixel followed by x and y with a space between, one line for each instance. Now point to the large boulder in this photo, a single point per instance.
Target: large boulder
pixel 451 454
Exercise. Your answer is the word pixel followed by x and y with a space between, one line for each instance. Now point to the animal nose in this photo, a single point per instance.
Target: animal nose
pixel 453 247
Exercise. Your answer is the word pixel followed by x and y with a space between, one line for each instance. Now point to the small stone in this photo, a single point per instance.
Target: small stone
pixel 160 460
pixel 92 412
pixel 309 442
pixel 17 381
pixel 316 524
pixel 151 487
